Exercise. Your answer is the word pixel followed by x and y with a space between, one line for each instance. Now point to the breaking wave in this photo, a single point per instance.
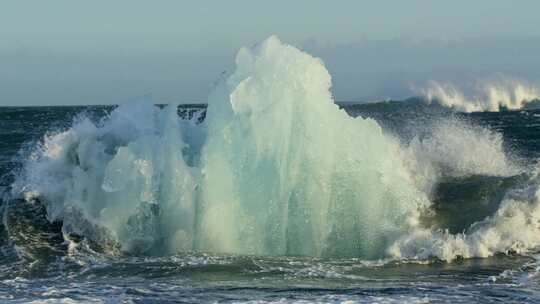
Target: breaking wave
pixel 276 168
pixel 512 229
pixel 485 97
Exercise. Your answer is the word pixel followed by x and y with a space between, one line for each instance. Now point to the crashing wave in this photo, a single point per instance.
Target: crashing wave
pixel 485 97
pixel 285 171
pixel 450 148
pixel 514 228
pixel 276 168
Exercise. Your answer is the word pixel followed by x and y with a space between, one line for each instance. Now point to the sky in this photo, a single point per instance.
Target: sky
pixel 61 52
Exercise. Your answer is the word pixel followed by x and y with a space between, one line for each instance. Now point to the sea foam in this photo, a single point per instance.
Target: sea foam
pixel 276 168
pixel 486 96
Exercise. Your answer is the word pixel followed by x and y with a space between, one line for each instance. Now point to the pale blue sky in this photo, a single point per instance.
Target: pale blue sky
pixel 83 52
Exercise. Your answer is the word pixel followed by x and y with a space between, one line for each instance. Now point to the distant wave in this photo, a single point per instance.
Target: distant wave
pixel 485 96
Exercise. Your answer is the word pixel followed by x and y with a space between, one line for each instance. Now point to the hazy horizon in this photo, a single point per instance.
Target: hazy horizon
pixel 73 53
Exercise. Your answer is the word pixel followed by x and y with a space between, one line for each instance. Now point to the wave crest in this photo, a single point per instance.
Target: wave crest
pixel 486 96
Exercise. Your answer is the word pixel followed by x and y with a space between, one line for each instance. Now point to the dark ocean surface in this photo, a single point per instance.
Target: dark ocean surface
pixel 37 264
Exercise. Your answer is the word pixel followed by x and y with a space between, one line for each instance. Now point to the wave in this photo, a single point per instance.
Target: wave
pixel 484 97
pixel 275 168
pixel 448 148
pixel 512 229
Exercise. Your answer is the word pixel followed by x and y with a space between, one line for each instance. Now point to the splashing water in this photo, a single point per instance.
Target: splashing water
pixel 276 168
pixel 513 228
pixel 282 171
pixel 287 172
pixel 147 206
pixel 487 96
pixel 121 175
pixel 455 148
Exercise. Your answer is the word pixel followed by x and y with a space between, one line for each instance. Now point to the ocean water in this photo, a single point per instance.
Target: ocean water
pixel 272 193
pixel 37 267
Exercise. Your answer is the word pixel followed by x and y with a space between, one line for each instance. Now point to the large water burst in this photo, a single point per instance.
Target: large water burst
pixel 276 168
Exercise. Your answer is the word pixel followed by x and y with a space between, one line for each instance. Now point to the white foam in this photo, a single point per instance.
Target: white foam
pixel 453 147
pixel 110 174
pixel 513 228
pixel 487 96
pixel 276 169
pixel 284 170
pixel 287 172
